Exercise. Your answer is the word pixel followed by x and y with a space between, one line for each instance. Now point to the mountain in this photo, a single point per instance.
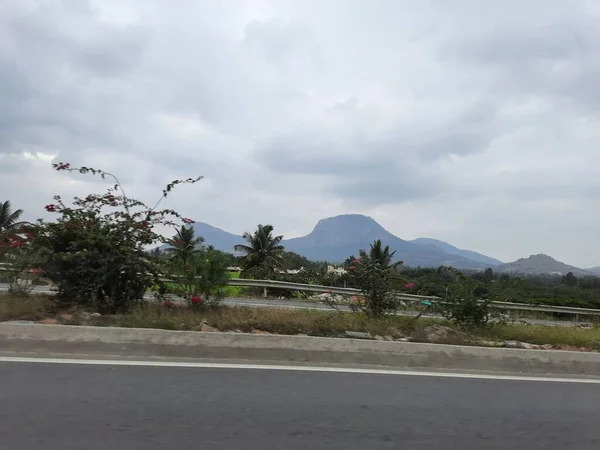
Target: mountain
pixel 490 262
pixel 540 265
pixel 220 239
pixel 336 238
pixel 594 270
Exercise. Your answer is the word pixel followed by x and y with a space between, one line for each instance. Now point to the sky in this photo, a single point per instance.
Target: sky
pixel 471 121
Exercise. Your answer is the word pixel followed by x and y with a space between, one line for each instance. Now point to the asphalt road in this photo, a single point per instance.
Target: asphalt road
pixel 74 407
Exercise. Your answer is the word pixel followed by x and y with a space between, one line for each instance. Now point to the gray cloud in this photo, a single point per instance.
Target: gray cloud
pixel 441 118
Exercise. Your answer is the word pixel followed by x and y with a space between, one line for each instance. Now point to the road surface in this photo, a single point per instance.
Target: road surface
pixel 74 407
pixel 299 304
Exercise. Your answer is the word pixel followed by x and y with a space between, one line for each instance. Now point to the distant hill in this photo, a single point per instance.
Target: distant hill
pixel 594 270
pixel 220 239
pixel 490 262
pixel 539 265
pixel 335 238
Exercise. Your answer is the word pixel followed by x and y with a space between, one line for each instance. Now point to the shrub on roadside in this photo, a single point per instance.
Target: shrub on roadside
pixel 202 276
pixel 466 302
pixel 376 276
pixel 95 252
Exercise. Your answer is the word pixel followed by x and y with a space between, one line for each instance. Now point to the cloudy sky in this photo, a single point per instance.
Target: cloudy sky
pixel 472 121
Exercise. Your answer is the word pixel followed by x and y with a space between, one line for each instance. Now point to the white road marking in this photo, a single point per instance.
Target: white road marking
pixel 201 365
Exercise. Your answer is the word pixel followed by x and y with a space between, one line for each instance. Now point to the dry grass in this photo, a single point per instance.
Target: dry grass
pixel 287 321
pixel 536 334
pixel 280 321
pixel 33 307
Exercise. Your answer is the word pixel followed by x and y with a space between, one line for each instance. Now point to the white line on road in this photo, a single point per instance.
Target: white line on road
pixel 201 365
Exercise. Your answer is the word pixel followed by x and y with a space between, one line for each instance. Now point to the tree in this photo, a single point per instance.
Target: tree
pixel 466 302
pixel 381 255
pixel 95 252
pixel 204 278
pixel 374 273
pixel 9 219
pixel 570 280
pixel 488 275
pixel 263 253
pixel 184 244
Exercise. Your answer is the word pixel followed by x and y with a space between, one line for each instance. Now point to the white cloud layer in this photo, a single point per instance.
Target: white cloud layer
pixel 472 121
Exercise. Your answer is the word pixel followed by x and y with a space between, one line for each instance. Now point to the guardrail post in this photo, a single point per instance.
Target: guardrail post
pixel 264 292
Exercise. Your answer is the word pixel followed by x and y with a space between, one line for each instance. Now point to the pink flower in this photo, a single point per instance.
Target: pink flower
pixel 351 268
pixel 188 221
pixel 167 304
pixel 195 300
pixel 410 285
pixel 356 260
pixel 50 208
pixel 36 271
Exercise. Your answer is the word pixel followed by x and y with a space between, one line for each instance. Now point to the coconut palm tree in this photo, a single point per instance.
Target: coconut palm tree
pixel 380 255
pixel 376 275
pixel 184 244
pixel 9 219
pixel 263 251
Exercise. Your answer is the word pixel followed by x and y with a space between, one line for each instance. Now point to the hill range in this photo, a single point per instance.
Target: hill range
pixel 335 238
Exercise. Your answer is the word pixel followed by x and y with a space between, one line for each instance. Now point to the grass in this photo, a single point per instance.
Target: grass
pixel 279 321
pixel 291 321
pixel 566 336
pixel 33 307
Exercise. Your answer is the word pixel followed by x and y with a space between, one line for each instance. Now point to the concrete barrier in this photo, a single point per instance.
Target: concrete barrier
pixel 138 342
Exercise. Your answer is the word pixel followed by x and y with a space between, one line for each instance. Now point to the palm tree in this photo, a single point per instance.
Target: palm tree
pixel 9 219
pixel 184 244
pixel 380 255
pixel 263 251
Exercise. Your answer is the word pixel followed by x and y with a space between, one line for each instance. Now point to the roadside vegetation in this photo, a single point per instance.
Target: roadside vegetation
pixel 45 309
pixel 96 253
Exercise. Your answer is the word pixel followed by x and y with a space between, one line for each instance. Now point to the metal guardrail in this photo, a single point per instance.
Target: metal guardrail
pixel 410 298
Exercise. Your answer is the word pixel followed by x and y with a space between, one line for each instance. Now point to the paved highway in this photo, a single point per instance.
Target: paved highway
pixel 299 304
pixel 98 407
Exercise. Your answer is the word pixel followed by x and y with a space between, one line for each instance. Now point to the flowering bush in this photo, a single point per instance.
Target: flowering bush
pixel 95 252
pixel 196 300
pixel 19 256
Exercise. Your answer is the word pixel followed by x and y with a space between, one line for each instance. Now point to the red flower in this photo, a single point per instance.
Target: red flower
pixel 167 304
pixel 36 271
pixel 188 221
pixel 16 242
pixel 50 208
pixel 195 300
pixel 351 268
pixel 410 285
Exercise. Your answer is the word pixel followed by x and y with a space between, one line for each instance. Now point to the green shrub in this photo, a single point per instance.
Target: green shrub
pixel 95 252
